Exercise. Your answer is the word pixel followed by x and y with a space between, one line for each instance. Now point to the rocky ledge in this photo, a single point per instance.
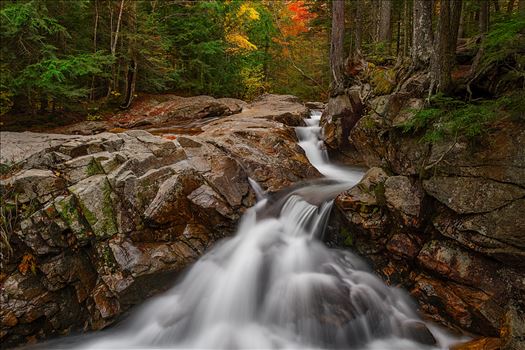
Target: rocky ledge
pixel 92 225
pixel 446 221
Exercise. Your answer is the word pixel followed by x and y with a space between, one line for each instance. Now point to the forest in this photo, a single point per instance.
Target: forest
pixel 83 56
pixel 271 174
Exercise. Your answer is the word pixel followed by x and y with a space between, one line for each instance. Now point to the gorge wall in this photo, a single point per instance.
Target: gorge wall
pixel 444 220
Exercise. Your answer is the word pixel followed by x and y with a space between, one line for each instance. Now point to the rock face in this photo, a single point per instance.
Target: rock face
pixel 339 117
pixel 98 223
pixel 446 221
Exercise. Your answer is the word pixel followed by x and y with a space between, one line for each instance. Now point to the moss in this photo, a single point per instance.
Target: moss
pixel 379 193
pixel 348 239
pixel 69 212
pixel 110 222
pixel 368 123
pixel 108 258
pixel 383 81
pixel 90 217
pixel 450 117
pixel 94 168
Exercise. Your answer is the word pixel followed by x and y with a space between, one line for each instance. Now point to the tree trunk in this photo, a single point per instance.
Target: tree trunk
pixel 483 16
pixel 385 24
pixel 336 45
pixel 510 6
pixel 92 95
pixel 496 6
pixel 398 37
pixel 117 30
pixel 358 25
pixel 132 69
pixel 422 34
pixel 445 46
pixel 406 28
pixel 461 29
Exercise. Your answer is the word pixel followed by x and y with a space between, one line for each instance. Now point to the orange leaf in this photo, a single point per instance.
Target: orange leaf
pixel 28 263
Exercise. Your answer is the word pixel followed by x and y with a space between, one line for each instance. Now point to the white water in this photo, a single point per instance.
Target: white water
pixel 276 285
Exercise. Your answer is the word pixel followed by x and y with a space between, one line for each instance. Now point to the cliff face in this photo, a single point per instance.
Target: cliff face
pixel 92 225
pixel 446 221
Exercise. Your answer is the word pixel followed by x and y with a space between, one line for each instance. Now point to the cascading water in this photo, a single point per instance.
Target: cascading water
pixel 275 285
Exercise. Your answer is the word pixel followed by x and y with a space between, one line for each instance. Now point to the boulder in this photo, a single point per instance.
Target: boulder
pixel 471 195
pixel 339 117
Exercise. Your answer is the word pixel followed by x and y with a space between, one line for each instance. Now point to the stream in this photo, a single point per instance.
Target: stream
pixel 276 285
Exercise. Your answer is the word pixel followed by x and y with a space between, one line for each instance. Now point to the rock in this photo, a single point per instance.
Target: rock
pixel 361 206
pixel 403 245
pixel 484 343
pixel 139 259
pixel 451 226
pixel 419 332
pixel 32 185
pixel 500 156
pixel 110 219
pixel 454 263
pixel 338 119
pixel 455 304
pixel 95 198
pixel 170 205
pixel 26 144
pixel 498 234
pixel 404 199
pixel 315 105
pixel 285 109
pixel 468 195
pixel 176 110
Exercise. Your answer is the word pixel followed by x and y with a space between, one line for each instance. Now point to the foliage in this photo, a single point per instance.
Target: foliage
pixel 57 53
pixel 501 54
pixel 28 263
pixel 504 38
pixel 446 116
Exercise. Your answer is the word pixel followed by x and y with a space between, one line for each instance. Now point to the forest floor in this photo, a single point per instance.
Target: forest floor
pixel 66 122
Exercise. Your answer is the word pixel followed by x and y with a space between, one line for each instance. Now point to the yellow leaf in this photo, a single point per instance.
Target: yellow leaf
pixel 240 42
pixel 250 12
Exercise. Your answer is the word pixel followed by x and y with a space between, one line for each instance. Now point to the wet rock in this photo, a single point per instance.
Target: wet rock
pixel 140 259
pixel 362 206
pixel 454 227
pixel 339 117
pixel 467 195
pixel 419 332
pixel 484 343
pixel 454 304
pixel 452 262
pixel 315 105
pixel 403 245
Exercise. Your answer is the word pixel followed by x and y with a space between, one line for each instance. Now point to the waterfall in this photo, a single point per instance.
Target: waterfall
pixel 276 285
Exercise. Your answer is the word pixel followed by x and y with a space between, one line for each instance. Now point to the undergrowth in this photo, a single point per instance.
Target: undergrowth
pixel 447 116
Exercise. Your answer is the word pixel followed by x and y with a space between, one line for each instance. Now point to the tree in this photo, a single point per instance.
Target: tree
pixel 385 26
pixel 422 36
pixel 336 46
pixel 444 56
